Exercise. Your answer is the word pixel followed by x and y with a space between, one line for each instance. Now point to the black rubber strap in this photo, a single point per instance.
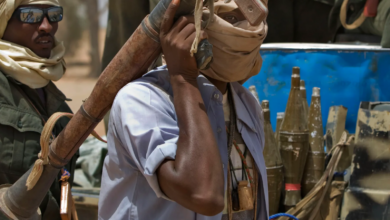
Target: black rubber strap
pixel 88 116
pixel 57 158
pixel 150 31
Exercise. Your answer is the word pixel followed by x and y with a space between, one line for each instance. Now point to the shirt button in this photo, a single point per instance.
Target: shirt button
pixel 216 96
pixel 219 129
pixel 20 125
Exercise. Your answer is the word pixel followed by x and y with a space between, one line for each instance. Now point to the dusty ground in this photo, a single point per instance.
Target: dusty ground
pixel 76 84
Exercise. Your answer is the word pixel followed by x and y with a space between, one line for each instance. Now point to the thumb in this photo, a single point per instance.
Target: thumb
pixel 167 20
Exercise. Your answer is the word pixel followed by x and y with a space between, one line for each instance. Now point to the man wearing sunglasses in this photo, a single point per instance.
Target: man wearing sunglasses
pixel 30 59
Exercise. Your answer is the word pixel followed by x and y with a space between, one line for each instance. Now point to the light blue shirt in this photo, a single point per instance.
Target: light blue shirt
pixel 143 132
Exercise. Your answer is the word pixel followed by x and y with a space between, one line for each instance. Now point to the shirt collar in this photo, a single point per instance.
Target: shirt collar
pixel 209 92
pixel 239 99
pixel 55 98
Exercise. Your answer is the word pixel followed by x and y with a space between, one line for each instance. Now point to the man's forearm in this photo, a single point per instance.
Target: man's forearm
pixel 196 138
pixel 197 169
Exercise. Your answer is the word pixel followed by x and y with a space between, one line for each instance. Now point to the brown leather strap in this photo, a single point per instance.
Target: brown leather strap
pixel 255 190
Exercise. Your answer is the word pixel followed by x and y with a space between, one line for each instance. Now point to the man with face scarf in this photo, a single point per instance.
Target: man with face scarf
pixel 30 59
pixel 188 144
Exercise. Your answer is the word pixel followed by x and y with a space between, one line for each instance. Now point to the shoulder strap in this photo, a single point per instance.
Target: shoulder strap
pixel 232 122
pixel 343 18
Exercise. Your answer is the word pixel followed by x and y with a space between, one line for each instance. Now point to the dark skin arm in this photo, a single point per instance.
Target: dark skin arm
pixel 195 178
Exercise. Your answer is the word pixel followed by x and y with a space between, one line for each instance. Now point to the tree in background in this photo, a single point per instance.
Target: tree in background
pixel 71 28
pixel 93 24
pixel 82 16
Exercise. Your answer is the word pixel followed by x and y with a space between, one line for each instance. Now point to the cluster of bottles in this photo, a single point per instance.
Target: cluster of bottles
pixel 294 155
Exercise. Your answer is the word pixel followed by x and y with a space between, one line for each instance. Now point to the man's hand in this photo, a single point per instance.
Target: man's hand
pixel 176 43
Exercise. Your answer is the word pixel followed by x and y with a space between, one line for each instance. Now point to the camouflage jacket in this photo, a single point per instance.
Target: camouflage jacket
pixel 20 130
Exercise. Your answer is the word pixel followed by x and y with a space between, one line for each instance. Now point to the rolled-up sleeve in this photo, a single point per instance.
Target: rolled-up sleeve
pixel 146 125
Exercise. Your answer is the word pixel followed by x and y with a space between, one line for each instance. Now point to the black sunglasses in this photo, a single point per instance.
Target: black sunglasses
pixel 34 15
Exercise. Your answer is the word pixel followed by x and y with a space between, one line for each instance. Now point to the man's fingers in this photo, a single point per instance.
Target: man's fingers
pixel 181 23
pixel 168 17
pixel 190 18
pixel 186 31
pixel 203 35
pixel 191 37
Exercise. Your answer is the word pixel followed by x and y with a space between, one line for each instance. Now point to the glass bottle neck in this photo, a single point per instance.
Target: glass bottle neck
pixel 296 81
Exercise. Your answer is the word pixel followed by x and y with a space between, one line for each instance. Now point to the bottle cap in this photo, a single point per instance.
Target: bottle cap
pixel 316 91
pixel 266 112
pixel 296 70
pixel 265 105
pixel 295 78
pixel 302 84
pixel 252 89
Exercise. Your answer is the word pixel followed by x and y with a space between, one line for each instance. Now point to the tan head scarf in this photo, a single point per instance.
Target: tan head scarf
pixel 235 46
pixel 20 62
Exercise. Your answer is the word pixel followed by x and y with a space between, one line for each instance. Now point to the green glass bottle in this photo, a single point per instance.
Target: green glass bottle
pixel 315 163
pixel 304 98
pixel 273 162
pixel 294 142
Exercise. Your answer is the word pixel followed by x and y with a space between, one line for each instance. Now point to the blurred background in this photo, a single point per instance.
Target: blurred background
pixel 83 31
